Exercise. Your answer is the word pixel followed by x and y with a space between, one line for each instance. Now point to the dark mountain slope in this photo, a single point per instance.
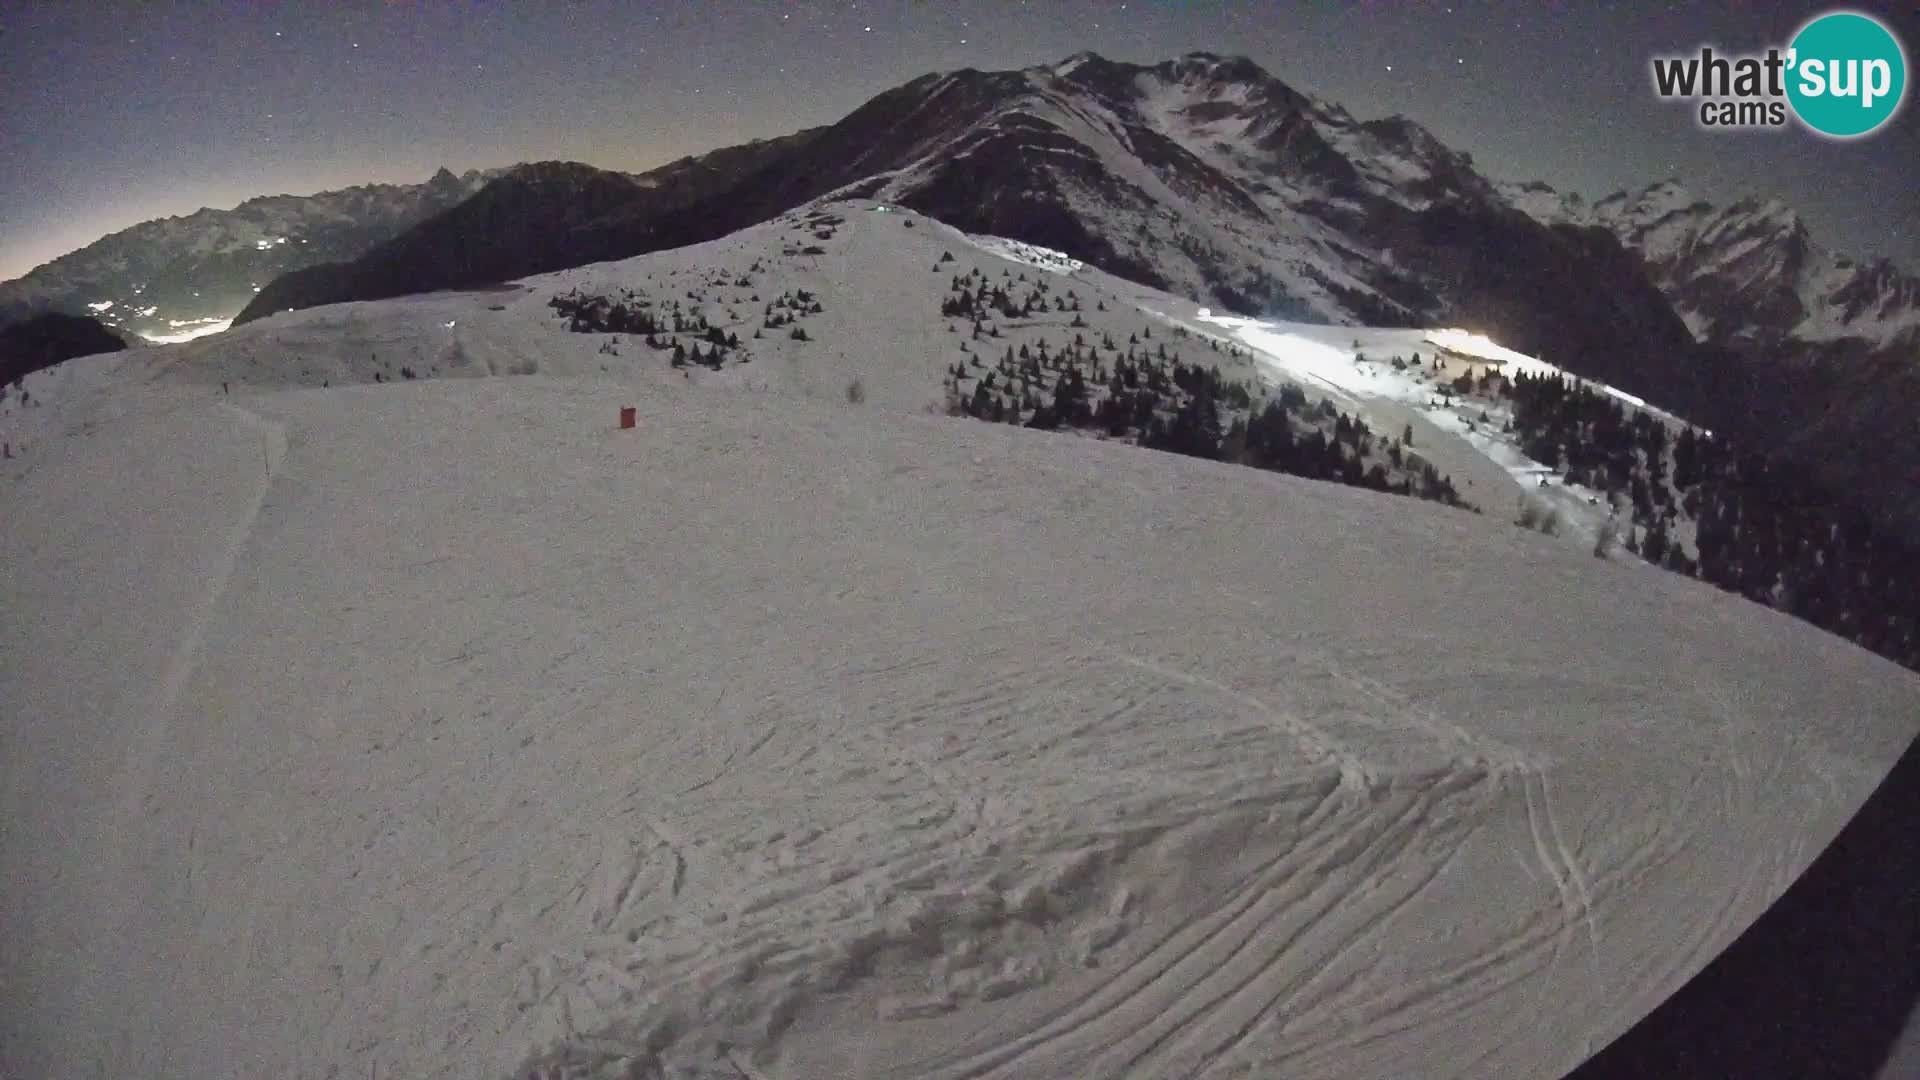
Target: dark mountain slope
pixel 159 276
pixel 46 340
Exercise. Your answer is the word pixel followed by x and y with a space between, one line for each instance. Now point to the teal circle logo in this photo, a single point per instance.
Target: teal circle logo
pixel 1846 75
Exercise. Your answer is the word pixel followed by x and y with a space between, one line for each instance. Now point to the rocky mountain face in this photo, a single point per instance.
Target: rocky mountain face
pixel 1748 273
pixel 161 277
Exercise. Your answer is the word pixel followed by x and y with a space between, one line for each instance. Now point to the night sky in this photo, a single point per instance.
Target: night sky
pixel 110 115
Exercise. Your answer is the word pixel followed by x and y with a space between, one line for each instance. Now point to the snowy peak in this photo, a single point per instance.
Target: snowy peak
pixel 1071 64
pixel 1404 136
pixel 1770 210
pixel 1201 82
pixel 1189 173
pixel 445 184
pixel 1213 70
pixel 1652 205
pixel 1749 273
pixel 1877 294
pixel 955 821
pixel 1408 163
pixel 1263 134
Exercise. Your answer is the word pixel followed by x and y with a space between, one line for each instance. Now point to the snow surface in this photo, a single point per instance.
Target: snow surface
pixel 1544 204
pixel 442 729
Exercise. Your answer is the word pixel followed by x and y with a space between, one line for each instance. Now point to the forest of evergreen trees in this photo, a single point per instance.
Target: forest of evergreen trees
pixel 1139 392
pixel 1764 530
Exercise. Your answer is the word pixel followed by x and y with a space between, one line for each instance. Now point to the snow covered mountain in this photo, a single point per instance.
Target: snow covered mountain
pixel 1208 177
pixel 378 705
pixel 172 276
pixel 1748 273
pixel 1809 351
pixel 1203 175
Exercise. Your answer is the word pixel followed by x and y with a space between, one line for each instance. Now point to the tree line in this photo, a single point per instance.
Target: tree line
pixel 1764 528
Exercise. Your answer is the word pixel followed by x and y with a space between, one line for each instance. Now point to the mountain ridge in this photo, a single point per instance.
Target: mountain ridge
pixel 1749 273
pixel 1207 176
pixel 199 269
pixel 1136 169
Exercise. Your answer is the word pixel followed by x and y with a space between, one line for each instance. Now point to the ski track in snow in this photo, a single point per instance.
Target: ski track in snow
pixel 146 746
pixel 774 739
pixel 1192 998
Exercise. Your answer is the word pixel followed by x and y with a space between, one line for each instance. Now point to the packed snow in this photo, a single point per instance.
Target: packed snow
pixel 441 728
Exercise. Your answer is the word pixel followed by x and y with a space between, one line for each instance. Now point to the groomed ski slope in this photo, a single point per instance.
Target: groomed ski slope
pixel 443 730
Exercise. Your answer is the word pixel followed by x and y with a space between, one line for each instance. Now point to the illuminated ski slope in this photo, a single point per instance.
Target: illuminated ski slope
pixel 1355 364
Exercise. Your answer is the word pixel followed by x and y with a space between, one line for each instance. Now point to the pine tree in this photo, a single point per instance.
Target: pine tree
pixel 982 403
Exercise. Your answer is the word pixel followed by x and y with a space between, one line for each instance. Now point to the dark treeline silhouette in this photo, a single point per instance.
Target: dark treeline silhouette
pixel 46 340
pixel 1765 529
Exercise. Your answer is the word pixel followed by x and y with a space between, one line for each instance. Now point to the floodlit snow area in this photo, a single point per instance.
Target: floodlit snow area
pixel 1024 254
pixel 1354 365
pixel 194 329
pixel 442 729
